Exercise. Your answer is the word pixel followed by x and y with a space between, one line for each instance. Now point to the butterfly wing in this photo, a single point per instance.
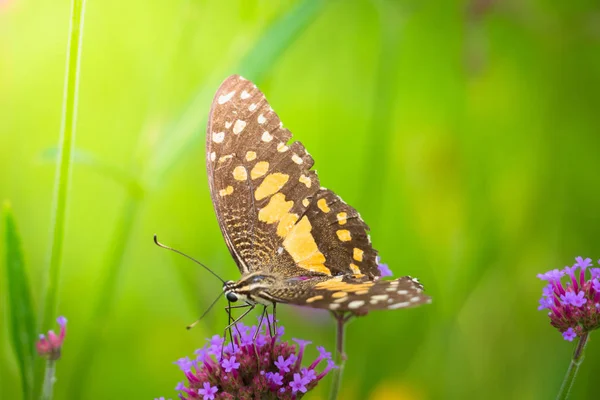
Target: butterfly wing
pixel 356 294
pixel 271 210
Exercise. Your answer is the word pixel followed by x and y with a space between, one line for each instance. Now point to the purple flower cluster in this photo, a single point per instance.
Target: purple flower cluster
pixel 50 346
pixel 255 365
pixel 575 306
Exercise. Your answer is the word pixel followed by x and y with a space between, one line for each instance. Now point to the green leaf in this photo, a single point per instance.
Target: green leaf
pixel 22 319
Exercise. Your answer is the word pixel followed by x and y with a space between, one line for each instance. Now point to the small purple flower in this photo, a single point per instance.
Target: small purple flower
pixel 275 378
pixel 297 384
pixel 264 368
pixel 548 290
pixel 308 375
pixel 572 304
pixel 551 276
pixel 323 353
pixel 216 344
pixel 545 302
pixel 569 334
pixel 384 270
pixel 284 365
pixel 50 346
pixel 230 364
pixel 581 263
pixel 208 392
pixel 573 299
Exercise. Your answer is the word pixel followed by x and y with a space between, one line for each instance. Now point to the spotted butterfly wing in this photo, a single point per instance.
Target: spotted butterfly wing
pixel 275 217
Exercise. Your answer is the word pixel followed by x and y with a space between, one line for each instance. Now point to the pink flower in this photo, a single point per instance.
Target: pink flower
pixel 49 346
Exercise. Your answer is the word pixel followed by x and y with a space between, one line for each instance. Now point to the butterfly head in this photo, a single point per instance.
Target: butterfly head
pixel 250 288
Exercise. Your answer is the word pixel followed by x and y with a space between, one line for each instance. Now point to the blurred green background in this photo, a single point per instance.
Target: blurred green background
pixel 466 133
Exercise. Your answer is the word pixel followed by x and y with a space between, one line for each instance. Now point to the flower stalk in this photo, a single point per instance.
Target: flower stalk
pixel 340 357
pixel 576 361
pixel 49 379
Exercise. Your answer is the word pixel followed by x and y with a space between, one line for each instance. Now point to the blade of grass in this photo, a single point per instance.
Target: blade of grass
pixel 274 41
pixel 63 168
pixel 63 174
pixel 20 304
pixel 186 132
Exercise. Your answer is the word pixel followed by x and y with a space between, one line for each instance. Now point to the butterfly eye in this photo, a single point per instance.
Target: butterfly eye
pixel 231 297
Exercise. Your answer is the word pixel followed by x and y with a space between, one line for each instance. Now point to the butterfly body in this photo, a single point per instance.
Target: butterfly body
pixel 293 240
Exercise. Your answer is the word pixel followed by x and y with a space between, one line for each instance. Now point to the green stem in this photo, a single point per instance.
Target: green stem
pixel 49 379
pixel 340 356
pixel 576 361
pixel 63 168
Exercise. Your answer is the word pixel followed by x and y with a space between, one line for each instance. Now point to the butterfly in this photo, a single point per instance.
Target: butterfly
pixel 293 240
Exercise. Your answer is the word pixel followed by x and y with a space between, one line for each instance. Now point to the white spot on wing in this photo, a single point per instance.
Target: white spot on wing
pixel 334 306
pixel 261 119
pixel 218 137
pixel 297 159
pixel 267 137
pixel 244 95
pixel 239 126
pixel 281 147
pixel 228 124
pixel 399 305
pixel 252 107
pixel 380 297
pixel 226 97
pixel 213 156
pixel 355 304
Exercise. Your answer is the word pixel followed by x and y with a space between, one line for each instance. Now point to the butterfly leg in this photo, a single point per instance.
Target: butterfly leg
pixel 262 317
pixel 228 311
pixel 233 324
pixel 250 308
pixel 274 320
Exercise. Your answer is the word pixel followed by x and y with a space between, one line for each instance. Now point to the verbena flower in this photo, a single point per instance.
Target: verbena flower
pixel 254 366
pixel 384 270
pixel 50 346
pixel 575 305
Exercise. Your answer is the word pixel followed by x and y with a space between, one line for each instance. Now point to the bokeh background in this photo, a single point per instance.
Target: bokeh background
pixel 466 133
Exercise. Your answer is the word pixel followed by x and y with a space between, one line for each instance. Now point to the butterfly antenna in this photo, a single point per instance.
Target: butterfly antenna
pixel 159 244
pixel 190 326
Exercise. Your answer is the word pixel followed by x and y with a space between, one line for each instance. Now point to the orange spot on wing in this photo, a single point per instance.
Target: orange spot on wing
pixel 224 192
pixel 271 184
pixel 315 298
pixel 301 245
pixel 239 173
pixel 276 209
pixel 338 295
pixel 336 284
pixel 343 235
pixel 322 204
pixel 259 169
pixel 358 254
